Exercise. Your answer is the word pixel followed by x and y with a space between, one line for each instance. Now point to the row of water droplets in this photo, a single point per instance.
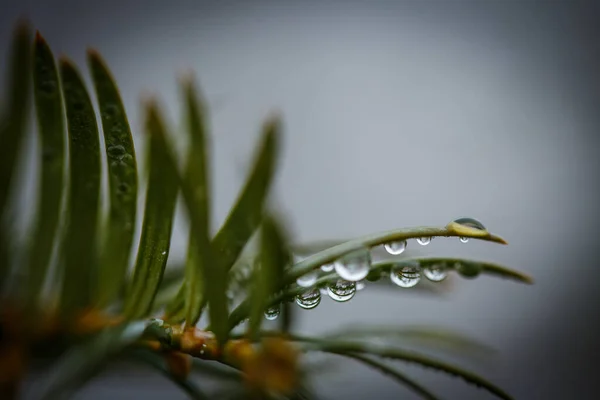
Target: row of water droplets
pixel 341 291
pixel 354 267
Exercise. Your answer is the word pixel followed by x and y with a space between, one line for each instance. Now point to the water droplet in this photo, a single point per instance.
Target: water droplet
pixel 406 275
pixel 360 285
pixel 468 270
pixel 395 248
pixel 116 152
pixel 309 299
pixel 307 280
pixel 164 253
pixel 470 222
pixel 119 133
pixel 435 272
pixel 327 267
pixel 354 266
pixel 272 313
pixel 424 241
pixel 342 290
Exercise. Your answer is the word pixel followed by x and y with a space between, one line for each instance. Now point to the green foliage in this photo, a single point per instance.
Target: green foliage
pixel 96 311
pixel 402 378
pixel 12 129
pixel 122 182
pixel 200 260
pixel 15 114
pixel 425 336
pixel 331 254
pixel 80 246
pixel 49 112
pixel 268 273
pixel 342 347
pixel 161 197
pixel 245 215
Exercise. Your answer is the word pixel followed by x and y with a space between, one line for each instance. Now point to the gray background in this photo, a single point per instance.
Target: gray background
pixel 396 114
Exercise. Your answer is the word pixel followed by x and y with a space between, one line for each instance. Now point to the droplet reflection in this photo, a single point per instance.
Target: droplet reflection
pixel 354 266
pixel 424 241
pixel 307 280
pixel 327 267
pixel 309 299
pixel 272 313
pixel 395 248
pixel 342 290
pixel 406 275
pixel 468 270
pixel 435 272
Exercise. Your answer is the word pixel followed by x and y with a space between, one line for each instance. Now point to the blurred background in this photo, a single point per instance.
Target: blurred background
pixel 396 114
